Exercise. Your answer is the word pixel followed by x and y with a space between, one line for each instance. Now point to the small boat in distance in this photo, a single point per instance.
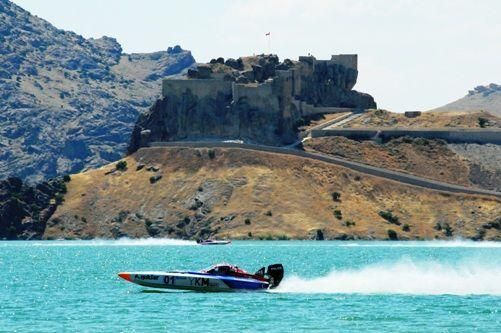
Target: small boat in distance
pixel 213 242
pixel 220 277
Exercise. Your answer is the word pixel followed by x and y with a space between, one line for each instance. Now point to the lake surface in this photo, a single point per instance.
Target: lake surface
pixel 70 286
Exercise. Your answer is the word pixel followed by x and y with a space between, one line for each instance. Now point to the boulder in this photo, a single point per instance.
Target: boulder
pixel 204 72
pixel 201 72
pixel 153 168
pixel 412 114
pixel 192 73
pixel 285 65
pixel 155 178
pixel 174 50
pixel 282 67
pixel 258 73
pixel 235 64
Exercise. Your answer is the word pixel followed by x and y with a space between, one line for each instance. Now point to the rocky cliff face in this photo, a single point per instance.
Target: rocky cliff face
pixel 331 85
pixel 66 102
pixel 487 98
pixel 24 209
pixel 256 99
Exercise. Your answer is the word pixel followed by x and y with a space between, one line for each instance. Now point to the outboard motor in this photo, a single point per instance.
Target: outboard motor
pixel 275 273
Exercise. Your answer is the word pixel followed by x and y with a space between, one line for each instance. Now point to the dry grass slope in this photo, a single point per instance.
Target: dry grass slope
pixel 246 194
pixel 422 157
pixel 454 119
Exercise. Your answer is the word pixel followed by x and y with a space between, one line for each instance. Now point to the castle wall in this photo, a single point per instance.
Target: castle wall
pixel 260 95
pixel 252 90
pixel 309 110
pixel 296 82
pixel 347 60
pixel 199 87
pixel 305 69
pixel 284 88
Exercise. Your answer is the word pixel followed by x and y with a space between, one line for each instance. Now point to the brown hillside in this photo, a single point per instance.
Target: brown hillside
pixel 461 164
pixel 421 157
pixel 240 194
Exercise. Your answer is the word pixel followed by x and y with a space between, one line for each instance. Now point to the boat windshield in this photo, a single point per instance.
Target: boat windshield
pixel 224 269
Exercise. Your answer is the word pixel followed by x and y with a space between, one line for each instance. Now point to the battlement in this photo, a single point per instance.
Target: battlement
pixel 307 59
pixel 346 60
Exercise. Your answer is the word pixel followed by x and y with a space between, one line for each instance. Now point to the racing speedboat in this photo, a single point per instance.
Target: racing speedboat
pixel 212 242
pixel 220 277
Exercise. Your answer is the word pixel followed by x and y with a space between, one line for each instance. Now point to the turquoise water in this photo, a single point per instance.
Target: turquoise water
pixel 71 286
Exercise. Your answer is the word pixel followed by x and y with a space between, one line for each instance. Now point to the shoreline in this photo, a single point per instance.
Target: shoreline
pixel 193 242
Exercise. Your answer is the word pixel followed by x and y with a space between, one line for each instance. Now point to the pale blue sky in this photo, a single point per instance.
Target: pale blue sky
pixel 413 54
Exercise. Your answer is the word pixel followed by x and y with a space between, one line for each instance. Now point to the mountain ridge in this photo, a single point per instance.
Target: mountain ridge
pixel 486 98
pixel 68 103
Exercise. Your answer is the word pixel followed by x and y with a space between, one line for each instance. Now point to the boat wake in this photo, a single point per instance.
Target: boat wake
pixel 434 243
pixel 115 242
pixel 403 277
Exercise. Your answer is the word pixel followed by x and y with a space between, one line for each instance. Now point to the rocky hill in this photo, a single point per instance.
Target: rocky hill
pixel 487 98
pixel 66 102
pixel 237 193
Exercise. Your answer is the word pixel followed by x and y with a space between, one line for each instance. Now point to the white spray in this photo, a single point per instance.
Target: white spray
pixel 404 277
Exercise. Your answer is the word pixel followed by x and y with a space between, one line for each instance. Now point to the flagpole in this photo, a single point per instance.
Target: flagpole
pixel 268 35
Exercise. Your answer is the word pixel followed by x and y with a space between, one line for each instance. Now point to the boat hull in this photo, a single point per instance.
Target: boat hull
pixel 193 281
pixel 214 243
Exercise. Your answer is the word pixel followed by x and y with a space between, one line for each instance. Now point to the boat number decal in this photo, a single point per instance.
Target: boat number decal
pixel 201 282
pixel 169 280
pixel 146 277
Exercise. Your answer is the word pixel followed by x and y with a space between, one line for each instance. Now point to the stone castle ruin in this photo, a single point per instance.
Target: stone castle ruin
pixel 256 99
